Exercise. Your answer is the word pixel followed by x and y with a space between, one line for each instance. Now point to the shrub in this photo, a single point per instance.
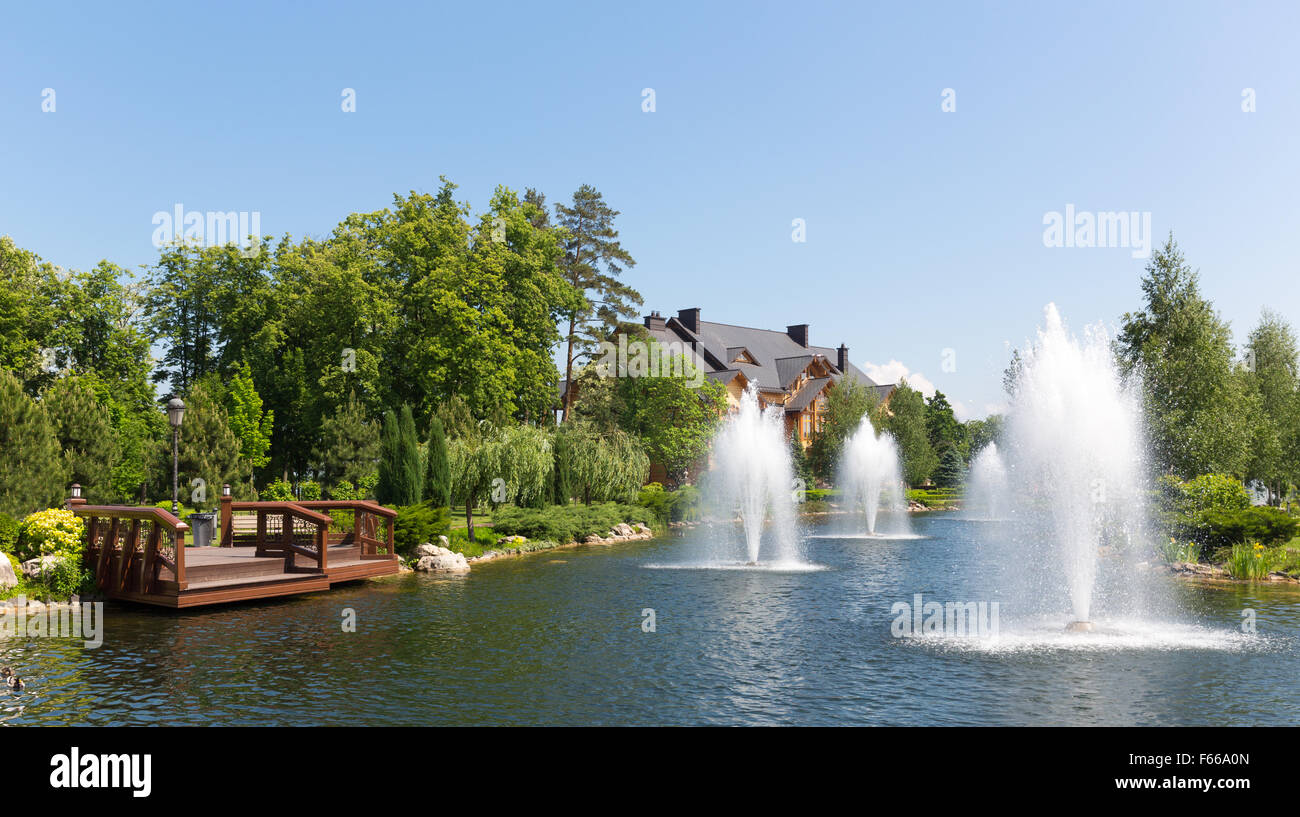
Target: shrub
pixel 278 491
pixel 567 523
pixel 1215 492
pixel 1254 524
pixel 419 523
pixel 8 533
pixel 658 501
pixel 687 504
pixel 56 532
pixel 309 491
pixel 69 576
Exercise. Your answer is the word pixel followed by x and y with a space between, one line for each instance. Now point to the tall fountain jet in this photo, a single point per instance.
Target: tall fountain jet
pixel 987 486
pixel 871 475
pixel 1074 452
pixel 753 474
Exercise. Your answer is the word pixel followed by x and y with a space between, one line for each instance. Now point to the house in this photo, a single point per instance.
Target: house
pixel 785 368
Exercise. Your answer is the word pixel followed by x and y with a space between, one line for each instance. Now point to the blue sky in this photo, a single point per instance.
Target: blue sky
pixel 924 227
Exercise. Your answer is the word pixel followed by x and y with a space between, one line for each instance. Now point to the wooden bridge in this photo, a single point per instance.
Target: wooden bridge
pixel 266 549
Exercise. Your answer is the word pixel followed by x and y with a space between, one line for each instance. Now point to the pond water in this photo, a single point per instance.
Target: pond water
pixel 557 638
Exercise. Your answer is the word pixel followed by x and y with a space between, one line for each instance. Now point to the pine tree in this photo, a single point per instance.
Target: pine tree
pixel 348 450
pixel 85 434
pixel 250 425
pixel 208 450
pixel 32 469
pixel 952 470
pixel 593 260
pixel 400 476
pixel 437 480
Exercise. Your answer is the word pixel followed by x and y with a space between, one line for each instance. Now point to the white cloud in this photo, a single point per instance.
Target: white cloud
pixel 896 370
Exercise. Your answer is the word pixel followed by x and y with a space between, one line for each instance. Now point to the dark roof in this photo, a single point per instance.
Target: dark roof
pixel 807 394
pixel 779 357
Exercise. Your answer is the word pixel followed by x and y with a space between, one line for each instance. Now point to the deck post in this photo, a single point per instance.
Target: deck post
pixel 227 534
pixel 181 530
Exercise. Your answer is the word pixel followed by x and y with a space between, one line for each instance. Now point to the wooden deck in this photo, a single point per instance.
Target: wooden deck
pixel 267 549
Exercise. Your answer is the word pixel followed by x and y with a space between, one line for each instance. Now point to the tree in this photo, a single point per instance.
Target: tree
pixel 675 416
pixel 951 472
pixel 250 425
pixel 593 260
pixel 1182 352
pixel 600 465
pixel 437 480
pixel 799 462
pixel 401 479
pixel 86 436
pixel 32 469
pixel 942 426
pixel 348 450
pixel 1272 377
pixel 208 450
pixel 847 402
pixel 905 419
pixel 499 464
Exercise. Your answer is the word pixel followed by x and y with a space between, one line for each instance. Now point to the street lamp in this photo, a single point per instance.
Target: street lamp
pixel 175 416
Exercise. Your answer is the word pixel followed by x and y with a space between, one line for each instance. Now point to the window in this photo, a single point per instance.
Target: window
pixel 807 426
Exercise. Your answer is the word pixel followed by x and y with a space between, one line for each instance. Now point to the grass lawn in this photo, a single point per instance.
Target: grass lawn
pixel 482 516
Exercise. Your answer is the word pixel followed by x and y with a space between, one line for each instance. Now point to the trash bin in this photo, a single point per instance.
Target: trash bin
pixel 203 527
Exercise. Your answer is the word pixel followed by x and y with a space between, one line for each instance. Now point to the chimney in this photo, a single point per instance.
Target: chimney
pixel 798 333
pixel 654 321
pixel 842 358
pixel 690 318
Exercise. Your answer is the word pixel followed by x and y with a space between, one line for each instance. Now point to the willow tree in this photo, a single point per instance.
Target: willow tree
pixel 499 464
pixel 601 465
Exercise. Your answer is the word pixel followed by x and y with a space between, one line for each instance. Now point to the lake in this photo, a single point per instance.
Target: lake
pixel 557 638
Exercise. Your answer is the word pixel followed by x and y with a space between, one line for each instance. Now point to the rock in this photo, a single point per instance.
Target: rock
pixel 644 529
pixel 623 529
pixel 442 560
pixel 8 578
pixel 594 539
pixel 444 541
pixel 35 568
pixel 427 549
pixel 512 540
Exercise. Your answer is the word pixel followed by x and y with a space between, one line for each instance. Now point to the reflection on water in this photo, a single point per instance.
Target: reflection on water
pixel 557 638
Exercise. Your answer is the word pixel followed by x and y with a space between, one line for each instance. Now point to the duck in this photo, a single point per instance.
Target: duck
pixel 15 683
pixel 5 672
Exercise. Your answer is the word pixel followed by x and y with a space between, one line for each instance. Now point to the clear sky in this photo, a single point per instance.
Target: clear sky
pixel 924 228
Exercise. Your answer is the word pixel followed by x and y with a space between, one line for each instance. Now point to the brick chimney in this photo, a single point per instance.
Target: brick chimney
pixel 798 333
pixel 842 358
pixel 690 318
pixel 654 321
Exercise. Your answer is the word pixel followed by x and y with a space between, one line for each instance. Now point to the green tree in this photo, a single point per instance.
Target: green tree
pixel 942 426
pixel 593 261
pixel 85 434
pixel 951 472
pixel 499 464
pixel 847 402
pixel 33 472
pixel 905 419
pixel 600 465
pixel 208 450
pixel 675 416
pixel 1182 352
pixel 348 449
pixel 437 480
pixel 401 479
pixel 1272 378
pixel 250 425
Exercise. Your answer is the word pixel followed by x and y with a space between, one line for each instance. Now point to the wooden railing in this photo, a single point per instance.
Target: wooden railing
pixel 134 549
pixel 367 517
pixel 284 529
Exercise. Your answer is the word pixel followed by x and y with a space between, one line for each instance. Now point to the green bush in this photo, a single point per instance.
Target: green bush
pixel 68 577
pixel 56 532
pixel 1254 524
pixel 309 491
pixel 420 523
pixel 567 523
pixel 8 533
pixel 278 491
pixel 1215 492
pixel 658 501
pixel 687 504
pixel 820 494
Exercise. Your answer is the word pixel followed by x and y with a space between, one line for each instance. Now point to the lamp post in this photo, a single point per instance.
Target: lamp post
pixel 175 416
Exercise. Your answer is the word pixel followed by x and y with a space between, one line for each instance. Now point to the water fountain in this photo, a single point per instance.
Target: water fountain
pixel 1074 454
pixel 871 476
pixel 753 477
pixel 987 486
